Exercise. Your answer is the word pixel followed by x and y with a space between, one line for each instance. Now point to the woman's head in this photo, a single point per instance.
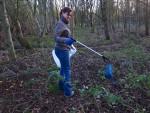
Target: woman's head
pixel 66 12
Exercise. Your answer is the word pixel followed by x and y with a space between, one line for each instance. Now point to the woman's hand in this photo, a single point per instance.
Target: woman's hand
pixel 69 41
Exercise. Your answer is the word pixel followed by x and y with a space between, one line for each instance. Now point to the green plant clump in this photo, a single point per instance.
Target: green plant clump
pixel 101 92
pixel 138 81
pixel 53 79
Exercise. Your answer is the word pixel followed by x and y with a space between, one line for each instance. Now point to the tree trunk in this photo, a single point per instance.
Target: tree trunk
pixel 137 17
pixel 42 10
pixel 35 6
pixel 147 18
pixel 51 16
pixel 12 54
pixel 91 17
pixel 72 26
pixel 118 15
pixel 19 36
pixel 125 17
pixel 56 8
pixel 104 18
pixel 111 16
pixel 39 29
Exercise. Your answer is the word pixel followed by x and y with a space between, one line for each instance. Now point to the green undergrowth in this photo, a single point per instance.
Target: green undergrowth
pixel 53 78
pixel 134 80
pixel 130 51
pixel 101 92
pixel 81 33
pixel 44 42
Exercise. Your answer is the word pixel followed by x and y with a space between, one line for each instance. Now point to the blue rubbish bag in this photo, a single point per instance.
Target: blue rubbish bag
pixel 108 71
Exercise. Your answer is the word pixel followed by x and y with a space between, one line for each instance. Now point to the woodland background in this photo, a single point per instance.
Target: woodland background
pixel 119 29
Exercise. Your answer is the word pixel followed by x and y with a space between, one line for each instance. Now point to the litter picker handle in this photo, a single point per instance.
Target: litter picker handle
pixel 89 48
pixel 104 58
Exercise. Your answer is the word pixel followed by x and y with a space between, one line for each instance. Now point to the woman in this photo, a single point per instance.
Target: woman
pixel 63 42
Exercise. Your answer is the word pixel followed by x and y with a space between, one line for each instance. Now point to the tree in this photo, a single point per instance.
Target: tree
pixel 12 54
pixel 104 18
pixel 43 15
pixel 19 34
pixel 137 8
pixel 147 18
pixel 37 23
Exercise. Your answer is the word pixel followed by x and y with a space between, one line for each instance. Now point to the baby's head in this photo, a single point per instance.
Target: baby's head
pixel 65 33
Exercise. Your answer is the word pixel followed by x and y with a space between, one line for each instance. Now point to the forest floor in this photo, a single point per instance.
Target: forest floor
pixel 29 84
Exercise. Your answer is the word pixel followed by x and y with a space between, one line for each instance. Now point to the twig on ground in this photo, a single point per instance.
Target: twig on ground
pixel 29 107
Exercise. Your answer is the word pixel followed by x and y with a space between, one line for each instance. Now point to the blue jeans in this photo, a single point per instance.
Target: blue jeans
pixel 65 70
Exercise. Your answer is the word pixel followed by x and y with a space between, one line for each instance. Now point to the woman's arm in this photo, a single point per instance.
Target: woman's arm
pixel 58 33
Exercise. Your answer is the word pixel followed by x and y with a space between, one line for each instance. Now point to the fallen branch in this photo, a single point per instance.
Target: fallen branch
pixel 29 107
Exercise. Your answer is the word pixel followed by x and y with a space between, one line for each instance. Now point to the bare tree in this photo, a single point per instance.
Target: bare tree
pixel 104 18
pixel 137 8
pixel 37 23
pixel 19 34
pixel 43 14
pixel 10 44
pixel 147 17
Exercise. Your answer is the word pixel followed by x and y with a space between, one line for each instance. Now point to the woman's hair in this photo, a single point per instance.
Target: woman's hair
pixel 65 10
